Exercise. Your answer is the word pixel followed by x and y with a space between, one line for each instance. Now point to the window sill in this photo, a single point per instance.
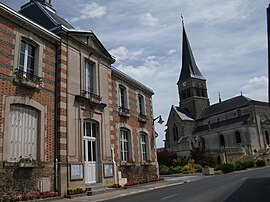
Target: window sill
pixel 27 165
pixel 146 163
pixel 127 164
pixel 142 118
pixel 124 112
pixel 28 83
pixel 20 164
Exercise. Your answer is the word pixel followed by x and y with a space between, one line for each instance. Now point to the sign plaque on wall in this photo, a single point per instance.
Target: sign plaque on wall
pixel 76 171
pixel 108 170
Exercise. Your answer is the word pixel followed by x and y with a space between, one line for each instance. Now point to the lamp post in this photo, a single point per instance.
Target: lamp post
pixel 160 120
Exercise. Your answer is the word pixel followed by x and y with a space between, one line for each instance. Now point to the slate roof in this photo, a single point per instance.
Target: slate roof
pixel 44 15
pixel 227 105
pixel 183 113
pixel 222 124
pixel 189 67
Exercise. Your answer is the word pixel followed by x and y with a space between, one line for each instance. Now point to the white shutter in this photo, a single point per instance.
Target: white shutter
pixel 23 132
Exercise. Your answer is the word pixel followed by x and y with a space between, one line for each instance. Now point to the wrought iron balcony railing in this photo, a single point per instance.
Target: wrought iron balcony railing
pixel 27 79
pixel 91 96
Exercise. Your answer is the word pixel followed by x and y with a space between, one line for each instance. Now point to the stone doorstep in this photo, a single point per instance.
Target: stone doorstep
pixel 97 188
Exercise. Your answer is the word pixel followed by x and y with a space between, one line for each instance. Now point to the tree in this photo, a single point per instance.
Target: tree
pixel 202 157
pixel 166 157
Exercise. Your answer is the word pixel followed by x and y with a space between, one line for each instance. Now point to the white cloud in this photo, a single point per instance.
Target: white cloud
pixel 171 52
pixel 122 53
pixel 91 10
pixel 256 88
pixel 217 12
pixel 148 20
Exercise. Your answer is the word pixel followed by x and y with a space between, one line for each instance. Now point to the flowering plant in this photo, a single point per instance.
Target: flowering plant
pixel 26 159
pixel 130 160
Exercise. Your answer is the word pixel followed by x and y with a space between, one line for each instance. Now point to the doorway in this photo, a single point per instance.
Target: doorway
pixel 90 152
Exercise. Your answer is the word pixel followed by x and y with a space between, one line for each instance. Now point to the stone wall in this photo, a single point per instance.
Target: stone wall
pixel 22 180
pixel 136 173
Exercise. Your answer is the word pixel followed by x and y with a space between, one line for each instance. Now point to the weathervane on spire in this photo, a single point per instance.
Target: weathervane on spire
pixel 182 19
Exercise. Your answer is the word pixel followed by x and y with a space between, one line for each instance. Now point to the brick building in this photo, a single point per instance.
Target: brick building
pixel 27 103
pixel 131 127
pixel 89 120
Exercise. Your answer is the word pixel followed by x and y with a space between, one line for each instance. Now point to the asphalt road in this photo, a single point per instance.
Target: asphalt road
pixel 242 186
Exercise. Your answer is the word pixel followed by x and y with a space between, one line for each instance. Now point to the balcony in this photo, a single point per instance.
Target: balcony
pixel 91 96
pixel 142 118
pixel 123 111
pixel 27 79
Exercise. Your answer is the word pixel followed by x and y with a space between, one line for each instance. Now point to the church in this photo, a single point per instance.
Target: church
pixel 230 130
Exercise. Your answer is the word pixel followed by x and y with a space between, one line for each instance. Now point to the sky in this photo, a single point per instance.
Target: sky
pixel 228 40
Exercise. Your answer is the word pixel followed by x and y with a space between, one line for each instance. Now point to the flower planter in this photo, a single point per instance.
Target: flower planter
pixel 208 171
pixel 95 99
pixel 26 165
pixel 145 163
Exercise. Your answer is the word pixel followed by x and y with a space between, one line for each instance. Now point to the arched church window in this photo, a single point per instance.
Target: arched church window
pixel 237 137
pixel 222 140
pixel 267 137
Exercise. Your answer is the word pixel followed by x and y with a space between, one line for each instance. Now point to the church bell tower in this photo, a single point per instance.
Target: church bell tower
pixel 192 87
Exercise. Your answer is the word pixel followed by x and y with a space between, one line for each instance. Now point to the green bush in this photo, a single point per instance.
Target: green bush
pixel 189 168
pixel 260 163
pixel 164 170
pixel 248 164
pixel 177 169
pixel 198 168
pixel 239 166
pixel 226 167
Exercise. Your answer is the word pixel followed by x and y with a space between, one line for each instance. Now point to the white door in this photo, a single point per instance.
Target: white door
pixel 89 142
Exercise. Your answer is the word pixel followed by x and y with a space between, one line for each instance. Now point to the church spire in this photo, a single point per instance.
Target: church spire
pixel 45 2
pixel 189 67
pixel 192 87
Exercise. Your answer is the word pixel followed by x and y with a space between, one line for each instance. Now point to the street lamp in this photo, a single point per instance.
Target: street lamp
pixel 160 121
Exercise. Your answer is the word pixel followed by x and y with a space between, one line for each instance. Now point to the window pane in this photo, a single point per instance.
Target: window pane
pixel 88 129
pixel 94 130
pixel 89 149
pixel 90 77
pixel 124 145
pixel 94 151
pixel 21 66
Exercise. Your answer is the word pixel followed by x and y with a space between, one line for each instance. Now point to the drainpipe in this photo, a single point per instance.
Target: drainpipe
pixel 114 167
pixel 56 185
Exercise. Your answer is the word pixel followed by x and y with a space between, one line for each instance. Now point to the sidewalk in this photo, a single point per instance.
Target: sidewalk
pixel 170 180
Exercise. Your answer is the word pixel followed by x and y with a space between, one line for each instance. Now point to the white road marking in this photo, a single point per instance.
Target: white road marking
pixel 169 196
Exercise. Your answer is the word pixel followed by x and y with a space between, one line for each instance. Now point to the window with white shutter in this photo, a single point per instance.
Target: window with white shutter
pixel 23 132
